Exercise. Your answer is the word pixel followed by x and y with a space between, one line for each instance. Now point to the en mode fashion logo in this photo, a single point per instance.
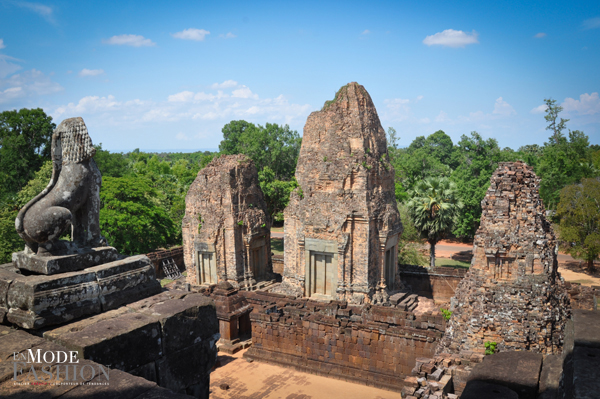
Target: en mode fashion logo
pixel 34 367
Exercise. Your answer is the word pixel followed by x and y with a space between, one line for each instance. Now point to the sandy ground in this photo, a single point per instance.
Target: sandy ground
pixel 261 380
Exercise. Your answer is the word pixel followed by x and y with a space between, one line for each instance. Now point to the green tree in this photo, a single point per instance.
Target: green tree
pixel 277 193
pixel 9 239
pixel 25 141
pixel 130 219
pixel 476 160
pixel 274 146
pixel 579 215
pixel 563 162
pixel 410 243
pixel 232 133
pixel 552 111
pixel 434 207
pixel 111 164
pixel 274 150
pixel 425 157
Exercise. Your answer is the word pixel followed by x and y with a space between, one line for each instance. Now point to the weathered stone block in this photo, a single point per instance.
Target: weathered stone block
pixel 49 265
pixel 14 341
pixel 185 318
pixel 519 371
pixel 118 339
pixel 6 278
pixel 586 326
pixel 188 366
pixel 550 376
pixel 122 385
pixel 125 281
pixel 36 301
pixel 586 363
pixel 487 390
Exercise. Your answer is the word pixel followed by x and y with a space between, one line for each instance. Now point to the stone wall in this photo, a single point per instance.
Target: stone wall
pixel 226 231
pixel 438 284
pixel 372 345
pixel 342 223
pixel 158 257
pixel 583 297
pixel 512 293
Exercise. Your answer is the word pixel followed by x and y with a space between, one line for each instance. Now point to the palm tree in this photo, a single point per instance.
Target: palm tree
pixel 434 206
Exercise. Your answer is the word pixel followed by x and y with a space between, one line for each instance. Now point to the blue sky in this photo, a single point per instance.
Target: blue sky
pixel 168 76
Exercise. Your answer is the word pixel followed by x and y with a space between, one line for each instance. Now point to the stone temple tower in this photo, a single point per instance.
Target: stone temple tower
pixel 225 229
pixel 342 223
pixel 513 294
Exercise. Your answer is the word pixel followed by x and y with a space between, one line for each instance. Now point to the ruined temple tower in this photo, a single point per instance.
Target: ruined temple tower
pixel 342 223
pixel 513 293
pixel 226 231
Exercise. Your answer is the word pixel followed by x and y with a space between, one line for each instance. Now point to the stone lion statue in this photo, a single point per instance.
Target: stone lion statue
pixel 72 198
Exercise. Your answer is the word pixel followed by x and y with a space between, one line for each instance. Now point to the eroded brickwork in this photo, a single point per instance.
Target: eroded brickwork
pixel 342 224
pixel 513 293
pixel 226 231
pixel 373 345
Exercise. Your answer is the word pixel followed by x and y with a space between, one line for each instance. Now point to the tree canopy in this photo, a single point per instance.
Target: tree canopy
pixel 25 141
pixel 434 207
pixel 274 150
pixel 579 215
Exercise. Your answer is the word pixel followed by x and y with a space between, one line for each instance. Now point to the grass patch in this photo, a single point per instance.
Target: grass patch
pixel 277 246
pixel 451 263
pixel 165 281
pixel 277 229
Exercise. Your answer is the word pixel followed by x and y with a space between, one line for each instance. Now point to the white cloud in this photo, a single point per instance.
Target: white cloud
pixel 503 108
pixel 202 96
pixel 365 32
pixel 27 84
pixel 191 34
pixel 2 45
pixel 229 35
pixel 540 109
pixel 130 40
pixel 6 67
pixel 588 104
pixel 540 35
pixel 215 107
pixel 243 92
pixel 592 23
pixel 452 38
pixel 184 96
pixel 40 9
pixel 225 85
pixel 91 72
pixel 442 117
pixel 397 109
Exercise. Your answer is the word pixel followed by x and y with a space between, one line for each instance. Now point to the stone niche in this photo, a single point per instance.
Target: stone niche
pixel 512 293
pixel 226 230
pixel 342 223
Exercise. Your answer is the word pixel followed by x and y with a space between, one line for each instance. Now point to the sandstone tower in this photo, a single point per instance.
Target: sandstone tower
pixel 226 231
pixel 342 224
pixel 513 293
